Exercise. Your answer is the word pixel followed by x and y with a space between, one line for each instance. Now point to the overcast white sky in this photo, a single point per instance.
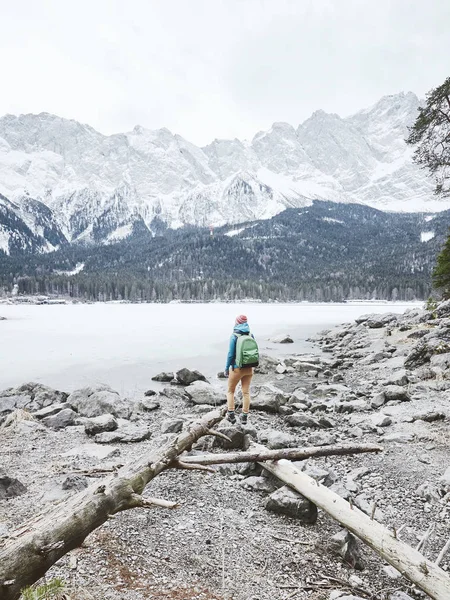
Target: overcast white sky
pixel 215 68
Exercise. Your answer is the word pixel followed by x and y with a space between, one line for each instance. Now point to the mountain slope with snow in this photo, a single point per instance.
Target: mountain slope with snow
pixel 99 188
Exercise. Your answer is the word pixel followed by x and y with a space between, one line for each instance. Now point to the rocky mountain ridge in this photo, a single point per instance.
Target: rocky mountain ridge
pixel 99 188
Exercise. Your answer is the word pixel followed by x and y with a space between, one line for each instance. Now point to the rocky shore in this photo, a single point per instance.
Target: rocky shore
pixel 238 532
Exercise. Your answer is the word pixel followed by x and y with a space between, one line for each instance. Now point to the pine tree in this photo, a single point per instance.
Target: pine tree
pixel 431 134
pixel 441 272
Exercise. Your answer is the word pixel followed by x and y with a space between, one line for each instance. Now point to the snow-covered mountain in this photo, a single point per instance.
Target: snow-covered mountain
pixel 99 188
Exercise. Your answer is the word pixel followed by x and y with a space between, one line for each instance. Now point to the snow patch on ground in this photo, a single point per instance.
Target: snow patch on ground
pixel 234 232
pixel 426 236
pixel 330 220
pixel 430 218
pixel 120 233
pixel 4 240
pixel 79 267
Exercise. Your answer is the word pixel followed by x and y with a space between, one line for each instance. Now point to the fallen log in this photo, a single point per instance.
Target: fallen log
pixel 412 564
pixel 44 539
pixel 262 454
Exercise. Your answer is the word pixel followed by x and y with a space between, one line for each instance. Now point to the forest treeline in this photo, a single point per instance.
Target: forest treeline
pixel 324 252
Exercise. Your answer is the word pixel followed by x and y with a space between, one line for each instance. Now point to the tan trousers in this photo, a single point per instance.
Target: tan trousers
pixel 244 376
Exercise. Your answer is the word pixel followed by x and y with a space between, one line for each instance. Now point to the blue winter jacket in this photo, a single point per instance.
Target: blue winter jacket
pixel 231 358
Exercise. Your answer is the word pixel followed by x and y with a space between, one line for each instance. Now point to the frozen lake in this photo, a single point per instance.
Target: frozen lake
pixel 124 345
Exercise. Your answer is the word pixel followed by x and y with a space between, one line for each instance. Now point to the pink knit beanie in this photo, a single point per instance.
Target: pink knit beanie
pixel 241 319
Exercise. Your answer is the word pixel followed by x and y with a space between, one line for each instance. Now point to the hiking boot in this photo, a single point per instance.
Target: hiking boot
pixel 244 418
pixel 231 417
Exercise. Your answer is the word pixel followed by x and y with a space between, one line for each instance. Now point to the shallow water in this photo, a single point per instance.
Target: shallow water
pixel 69 346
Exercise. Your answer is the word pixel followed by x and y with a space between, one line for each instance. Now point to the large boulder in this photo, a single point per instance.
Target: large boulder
pixel 100 424
pixel 275 439
pixel 269 398
pixel 201 392
pixel 98 400
pixel 125 435
pixel 288 502
pixel 10 487
pixel 64 418
pixel 172 425
pixel 163 377
pixel 396 392
pixel 422 352
pixel 378 321
pixel 266 364
pixel 186 376
pixel 30 396
pixel 302 420
pixel 282 339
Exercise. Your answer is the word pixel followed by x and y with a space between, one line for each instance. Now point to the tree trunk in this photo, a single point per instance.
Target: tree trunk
pixel 263 454
pixel 412 564
pixel 44 539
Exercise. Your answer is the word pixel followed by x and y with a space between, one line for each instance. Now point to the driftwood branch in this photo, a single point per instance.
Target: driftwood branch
pixel 412 564
pixel 262 454
pixel 44 539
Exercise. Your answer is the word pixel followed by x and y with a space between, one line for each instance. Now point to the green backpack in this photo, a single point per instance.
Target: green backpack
pixel 247 353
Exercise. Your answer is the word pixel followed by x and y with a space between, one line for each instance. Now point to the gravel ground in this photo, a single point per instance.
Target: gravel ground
pixel 221 542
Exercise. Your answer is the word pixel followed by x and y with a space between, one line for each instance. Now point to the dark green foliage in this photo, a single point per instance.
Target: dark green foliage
pixel 441 272
pixel 431 134
pixel 323 252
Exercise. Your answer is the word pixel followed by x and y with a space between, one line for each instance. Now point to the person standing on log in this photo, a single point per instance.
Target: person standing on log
pixel 242 356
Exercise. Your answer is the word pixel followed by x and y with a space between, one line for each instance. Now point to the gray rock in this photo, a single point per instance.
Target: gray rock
pixel 10 487
pixel 345 545
pixel 163 377
pixel 63 419
pixel 92 451
pixel 429 416
pixel 288 502
pixel 186 376
pixel 172 425
pixel 298 396
pixel 100 424
pixel 397 378
pixel 444 481
pixel 326 477
pixel 422 352
pixel 269 398
pixel 302 420
pixel 378 321
pixel 75 483
pixel 126 435
pixel 398 595
pixel 98 400
pixel 174 393
pixel 30 396
pixel 146 404
pixel 380 420
pixel 428 492
pixel 51 410
pixel 236 435
pixel 259 484
pixel 201 392
pixel 282 339
pixel 266 365
pixel 400 438
pixel 351 406
pixel 150 393
pixel 275 439
pixel 378 400
pixel 396 392
pixel 321 438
